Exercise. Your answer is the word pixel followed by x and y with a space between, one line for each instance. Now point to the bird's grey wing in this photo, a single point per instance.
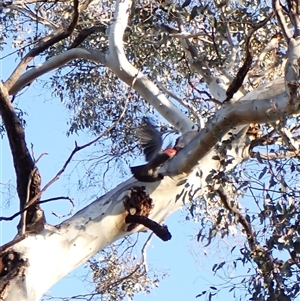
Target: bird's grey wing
pixel 150 139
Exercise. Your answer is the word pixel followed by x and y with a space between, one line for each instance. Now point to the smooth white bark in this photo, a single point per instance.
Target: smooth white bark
pixel 56 251
pixel 54 63
pixel 115 60
pixel 51 254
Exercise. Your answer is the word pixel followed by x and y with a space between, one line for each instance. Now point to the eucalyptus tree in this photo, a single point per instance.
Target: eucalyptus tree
pixel 231 70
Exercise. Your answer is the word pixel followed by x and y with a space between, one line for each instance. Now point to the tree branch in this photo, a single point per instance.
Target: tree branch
pixel 281 20
pixel 119 64
pixel 44 44
pixel 260 106
pixel 75 150
pixel 238 80
pixel 184 103
pixel 23 162
pixel 56 62
pixel 240 218
pixel 86 33
pixel 293 14
pixel 161 231
pixel 27 12
pixel 274 156
pixel 10 218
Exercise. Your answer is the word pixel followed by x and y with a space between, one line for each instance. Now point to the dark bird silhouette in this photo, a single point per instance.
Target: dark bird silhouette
pixel 194 13
pixel 151 142
pixel 186 3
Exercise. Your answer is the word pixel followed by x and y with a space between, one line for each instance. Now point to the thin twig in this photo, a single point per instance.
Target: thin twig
pixel 64 215
pixel 10 218
pixel 57 176
pixel 75 150
pixel 143 251
pixel 215 101
pixel 40 156
pixel 182 102
pixel 44 44
pixel 274 156
pixel 240 218
pixel 23 217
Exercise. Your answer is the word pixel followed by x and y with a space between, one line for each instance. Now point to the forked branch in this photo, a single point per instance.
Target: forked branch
pixel 44 44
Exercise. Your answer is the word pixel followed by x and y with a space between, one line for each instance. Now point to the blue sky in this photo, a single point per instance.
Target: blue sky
pixel 183 258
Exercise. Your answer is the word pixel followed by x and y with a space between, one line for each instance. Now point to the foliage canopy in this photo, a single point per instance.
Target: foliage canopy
pixel 187 49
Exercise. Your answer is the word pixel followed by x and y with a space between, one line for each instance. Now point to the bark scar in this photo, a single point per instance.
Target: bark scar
pixel 139 205
pixel 10 262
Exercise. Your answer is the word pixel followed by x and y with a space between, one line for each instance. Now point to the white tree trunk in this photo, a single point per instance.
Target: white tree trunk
pixel 33 263
pixel 44 258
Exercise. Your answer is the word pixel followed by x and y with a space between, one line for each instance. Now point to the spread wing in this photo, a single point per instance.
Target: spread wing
pixel 150 139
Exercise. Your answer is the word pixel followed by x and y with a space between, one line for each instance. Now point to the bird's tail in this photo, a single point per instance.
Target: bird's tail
pixel 140 170
pixel 144 174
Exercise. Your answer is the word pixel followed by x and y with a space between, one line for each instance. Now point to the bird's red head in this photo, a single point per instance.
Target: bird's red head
pixel 171 152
